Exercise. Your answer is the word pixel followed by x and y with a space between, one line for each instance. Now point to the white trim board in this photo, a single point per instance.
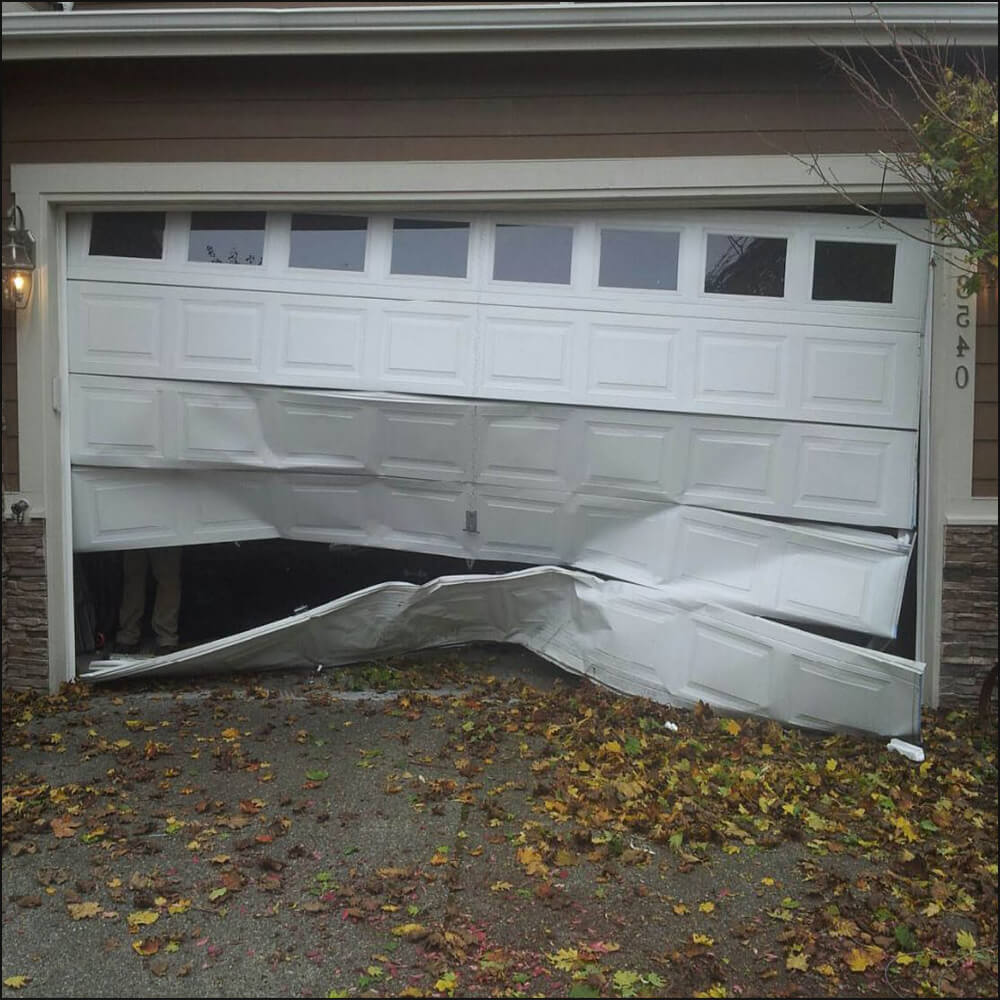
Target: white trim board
pixel 151 31
pixel 629 638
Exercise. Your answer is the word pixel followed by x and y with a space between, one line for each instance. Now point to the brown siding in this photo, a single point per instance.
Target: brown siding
pixel 984 445
pixel 418 107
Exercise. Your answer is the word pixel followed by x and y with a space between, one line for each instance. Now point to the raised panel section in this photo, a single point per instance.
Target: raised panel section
pixel 518 527
pixel 218 427
pixel 856 378
pixel 719 556
pixel 741 369
pixel 840 475
pixel 116 419
pixel 731 464
pixel 319 340
pixel 729 668
pixel 527 355
pixel 842 590
pixel 325 432
pixel 221 336
pixel 527 450
pixel 632 362
pixel 113 332
pixel 426 350
pixel 425 443
pixel 625 455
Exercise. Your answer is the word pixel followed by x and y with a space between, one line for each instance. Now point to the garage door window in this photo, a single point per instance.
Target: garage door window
pixel 737 264
pixel 430 247
pixel 853 272
pixel 331 242
pixel 533 253
pixel 127 234
pixel 637 258
pixel 227 237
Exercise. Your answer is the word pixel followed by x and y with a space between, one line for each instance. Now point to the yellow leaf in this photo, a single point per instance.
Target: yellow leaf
pixel 730 726
pixel 860 959
pixel 565 959
pixel 825 969
pixel 965 941
pixel 447 983
pixel 831 765
pixel 767 880
pixel 798 961
pixel 17 982
pixel 703 939
pixel 706 907
pixel 680 909
pixel 903 959
pixel 501 887
pixel 408 930
pixel 439 859
pixel 532 861
pixel 80 911
pixel 219 859
pixel 142 918
pixel 904 826
pixel 230 733
pixel 181 906
pixel 932 909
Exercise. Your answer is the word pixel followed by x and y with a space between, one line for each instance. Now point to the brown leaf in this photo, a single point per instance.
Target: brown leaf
pixel 81 911
pixel 64 826
pixel 28 902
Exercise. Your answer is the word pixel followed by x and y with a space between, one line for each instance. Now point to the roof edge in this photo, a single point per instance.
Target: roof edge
pixel 149 31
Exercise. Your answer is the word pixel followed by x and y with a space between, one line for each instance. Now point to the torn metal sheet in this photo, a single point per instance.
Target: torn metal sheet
pixel 634 639
pixel 800 572
pixel 864 476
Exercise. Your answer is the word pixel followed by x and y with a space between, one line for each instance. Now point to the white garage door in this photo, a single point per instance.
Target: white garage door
pixel 565 389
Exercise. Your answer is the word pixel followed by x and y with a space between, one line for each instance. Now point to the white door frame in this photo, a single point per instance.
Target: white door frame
pixel 46 192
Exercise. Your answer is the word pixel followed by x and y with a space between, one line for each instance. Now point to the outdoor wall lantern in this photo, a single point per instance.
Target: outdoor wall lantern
pixel 18 260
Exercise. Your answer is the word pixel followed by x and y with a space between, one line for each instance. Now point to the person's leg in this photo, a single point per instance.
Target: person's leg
pixel 166 610
pixel 134 563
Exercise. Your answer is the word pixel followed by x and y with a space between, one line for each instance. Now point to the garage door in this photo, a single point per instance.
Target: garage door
pixel 622 393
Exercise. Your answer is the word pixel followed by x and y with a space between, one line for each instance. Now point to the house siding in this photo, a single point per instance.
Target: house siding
pixel 984 445
pixel 503 106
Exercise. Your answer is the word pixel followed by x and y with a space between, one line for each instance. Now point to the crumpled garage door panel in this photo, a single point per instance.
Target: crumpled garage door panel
pixel 800 572
pixel 864 476
pixel 633 639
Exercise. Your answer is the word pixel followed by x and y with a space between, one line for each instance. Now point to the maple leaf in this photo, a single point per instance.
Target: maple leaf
pixel 447 983
pixel 860 959
pixel 703 939
pixel 17 982
pixel 965 941
pixel 181 906
pixel 532 861
pixel 566 959
pixel 81 911
pixel 730 726
pixel 501 887
pixel 706 907
pixel 797 960
pixel 412 931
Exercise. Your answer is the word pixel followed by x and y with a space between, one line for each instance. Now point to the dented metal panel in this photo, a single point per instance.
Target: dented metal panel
pixel 850 475
pixel 830 576
pixel 634 639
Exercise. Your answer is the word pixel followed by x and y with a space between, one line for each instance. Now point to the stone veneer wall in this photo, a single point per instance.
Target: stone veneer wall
pixel 25 606
pixel 968 611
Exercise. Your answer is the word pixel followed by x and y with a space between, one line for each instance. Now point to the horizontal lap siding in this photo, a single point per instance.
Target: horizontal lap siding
pixel 484 107
pixel 984 447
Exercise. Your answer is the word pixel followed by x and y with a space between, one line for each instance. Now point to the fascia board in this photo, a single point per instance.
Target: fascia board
pixel 231 30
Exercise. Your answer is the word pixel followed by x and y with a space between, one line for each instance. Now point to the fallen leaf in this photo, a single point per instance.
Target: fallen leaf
pixel 81 911
pixel 799 961
pixel 17 982
pixel 64 826
pixel 860 959
pixel 142 918
pixel 965 941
